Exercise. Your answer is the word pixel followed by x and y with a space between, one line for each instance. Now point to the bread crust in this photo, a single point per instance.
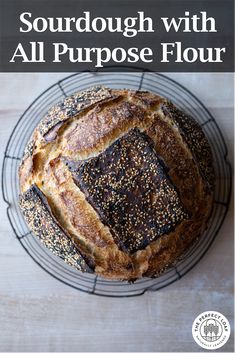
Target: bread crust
pixel 67 166
pixel 40 219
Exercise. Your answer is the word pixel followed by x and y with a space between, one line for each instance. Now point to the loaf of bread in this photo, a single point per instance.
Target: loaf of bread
pixel 117 182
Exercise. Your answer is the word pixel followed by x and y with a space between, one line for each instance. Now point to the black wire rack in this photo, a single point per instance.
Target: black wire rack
pixel 131 79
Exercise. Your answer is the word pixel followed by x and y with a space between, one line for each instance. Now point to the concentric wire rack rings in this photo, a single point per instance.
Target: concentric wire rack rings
pixel 133 79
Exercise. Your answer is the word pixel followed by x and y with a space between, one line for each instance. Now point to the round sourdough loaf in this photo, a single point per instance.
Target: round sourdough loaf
pixel 117 182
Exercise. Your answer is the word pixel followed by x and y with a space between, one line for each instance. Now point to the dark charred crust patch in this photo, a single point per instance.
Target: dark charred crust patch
pixel 43 224
pixel 129 188
pixel 71 106
pixel 193 135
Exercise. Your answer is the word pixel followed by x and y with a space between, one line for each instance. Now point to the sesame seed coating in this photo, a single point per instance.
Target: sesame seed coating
pixel 129 187
pixel 38 215
pixel 29 149
pixel 195 139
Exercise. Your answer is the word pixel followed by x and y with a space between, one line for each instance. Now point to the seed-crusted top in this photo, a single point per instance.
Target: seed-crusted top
pixel 130 189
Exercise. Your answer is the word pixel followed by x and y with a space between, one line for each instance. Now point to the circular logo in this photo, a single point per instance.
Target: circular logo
pixel 211 330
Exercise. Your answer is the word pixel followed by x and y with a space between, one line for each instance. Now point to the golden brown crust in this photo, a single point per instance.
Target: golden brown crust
pixel 96 127
pixel 79 147
pixel 71 106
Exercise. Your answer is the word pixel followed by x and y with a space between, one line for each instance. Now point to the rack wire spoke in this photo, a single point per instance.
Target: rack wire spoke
pixel 131 78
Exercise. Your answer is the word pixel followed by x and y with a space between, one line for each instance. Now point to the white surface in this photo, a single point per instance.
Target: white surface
pixel 38 313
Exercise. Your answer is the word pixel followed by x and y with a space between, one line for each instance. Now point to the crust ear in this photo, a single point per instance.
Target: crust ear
pixel 70 107
pixel 41 221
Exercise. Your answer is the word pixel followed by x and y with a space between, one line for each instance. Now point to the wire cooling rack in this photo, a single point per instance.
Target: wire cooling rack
pixel 131 79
